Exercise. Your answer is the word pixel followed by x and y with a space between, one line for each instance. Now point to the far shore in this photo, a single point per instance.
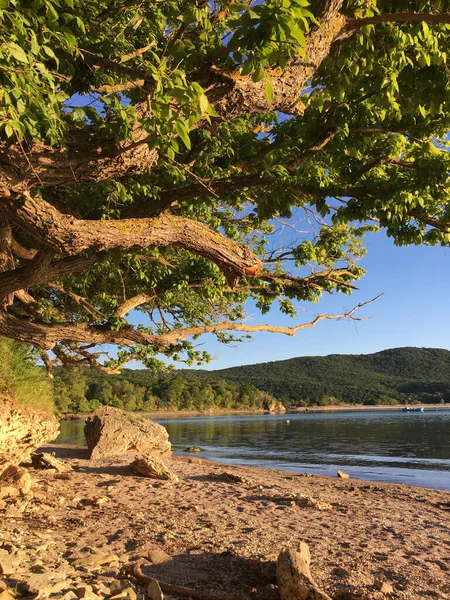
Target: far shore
pixel 301 409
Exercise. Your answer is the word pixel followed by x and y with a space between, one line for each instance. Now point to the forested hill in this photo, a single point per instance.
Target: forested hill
pixel 389 377
pixel 396 375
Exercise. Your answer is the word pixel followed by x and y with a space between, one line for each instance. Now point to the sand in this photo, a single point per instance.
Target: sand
pixel 225 535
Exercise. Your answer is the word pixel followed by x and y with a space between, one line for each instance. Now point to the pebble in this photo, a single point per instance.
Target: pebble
pixel 383 587
pixel 154 591
pixel 85 592
pixel 156 556
pixel 128 593
pixel 343 475
pixel 45 584
pixel 96 560
pixel 9 564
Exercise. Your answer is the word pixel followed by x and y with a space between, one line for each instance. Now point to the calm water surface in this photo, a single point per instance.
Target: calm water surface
pixel 412 448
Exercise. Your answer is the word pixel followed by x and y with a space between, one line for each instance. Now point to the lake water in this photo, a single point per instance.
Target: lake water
pixel 412 448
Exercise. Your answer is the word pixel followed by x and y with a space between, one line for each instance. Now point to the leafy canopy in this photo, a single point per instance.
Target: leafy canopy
pixel 184 139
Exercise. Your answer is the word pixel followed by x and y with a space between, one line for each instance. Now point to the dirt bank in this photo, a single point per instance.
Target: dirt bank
pixel 223 535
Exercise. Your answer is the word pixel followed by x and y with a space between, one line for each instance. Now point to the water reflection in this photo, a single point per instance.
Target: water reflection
pixel 390 445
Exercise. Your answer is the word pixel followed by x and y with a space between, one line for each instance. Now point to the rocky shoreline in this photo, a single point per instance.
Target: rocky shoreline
pixel 218 530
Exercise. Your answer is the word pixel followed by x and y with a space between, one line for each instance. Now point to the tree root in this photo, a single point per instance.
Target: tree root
pixel 135 571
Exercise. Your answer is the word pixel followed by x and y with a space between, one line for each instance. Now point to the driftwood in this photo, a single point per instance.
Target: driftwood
pixel 135 570
pixel 294 578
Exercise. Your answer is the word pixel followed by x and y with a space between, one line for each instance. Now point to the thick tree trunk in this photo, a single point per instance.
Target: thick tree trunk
pixel 232 95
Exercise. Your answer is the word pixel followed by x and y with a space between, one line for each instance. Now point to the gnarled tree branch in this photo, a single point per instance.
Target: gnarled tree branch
pixel 69 236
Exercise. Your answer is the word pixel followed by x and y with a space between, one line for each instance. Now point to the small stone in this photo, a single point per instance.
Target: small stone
pixel 8 491
pixel 45 584
pixel 128 593
pixel 383 587
pixel 233 478
pixel 194 460
pixel 9 564
pixel 149 465
pixel 17 477
pixel 343 475
pixel 102 500
pixel 69 596
pixel 86 592
pixel 154 591
pixel 5 595
pixel 118 586
pixel 43 460
pixel 102 589
pixel 157 557
pixel 194 449
pixel 95 560
pixel 63 476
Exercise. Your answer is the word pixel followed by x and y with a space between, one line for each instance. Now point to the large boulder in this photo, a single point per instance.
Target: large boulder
pixel 22 430
pixel 114 432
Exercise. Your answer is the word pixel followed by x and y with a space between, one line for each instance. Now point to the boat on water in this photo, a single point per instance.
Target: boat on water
pixel 412 409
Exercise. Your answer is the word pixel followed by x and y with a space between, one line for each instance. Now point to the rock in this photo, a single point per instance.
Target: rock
pixel 232 478
pixel 294 577
pixel 343 475
pixel 112 432
pixel 9 563
pixel 6 595
pixel 43 460
pixel 383 587
pixel 277 408
pixel 195 461
pixel 69 596
pixel 44 584
pixel 22 430
pixel 63 476
pixel 194 449
pixel 95 560
pixel 151 466
pixel 157 557
pixel 154 591
pixel 118 586
pixel 8 491
pixel 17 477
pixel 127 592
pixel 86 592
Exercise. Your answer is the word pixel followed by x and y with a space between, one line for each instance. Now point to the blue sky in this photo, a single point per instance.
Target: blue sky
pixel 414 311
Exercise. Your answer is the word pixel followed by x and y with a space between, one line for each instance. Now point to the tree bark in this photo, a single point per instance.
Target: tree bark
pixel 69 236
pixel 86 159
pixel 233 95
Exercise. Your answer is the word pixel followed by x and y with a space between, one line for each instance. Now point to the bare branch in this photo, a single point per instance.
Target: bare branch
pixel 46 336
pixel 182 334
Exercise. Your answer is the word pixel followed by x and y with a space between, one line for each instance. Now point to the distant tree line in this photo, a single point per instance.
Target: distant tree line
pixel 85 390
pixel 395 376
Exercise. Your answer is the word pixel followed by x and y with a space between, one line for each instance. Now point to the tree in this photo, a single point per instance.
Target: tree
pixel 150 153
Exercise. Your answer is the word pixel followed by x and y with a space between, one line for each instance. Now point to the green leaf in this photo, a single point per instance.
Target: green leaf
pixel 183 133
pixel 268 89
pixel 258 74
pixel 18 53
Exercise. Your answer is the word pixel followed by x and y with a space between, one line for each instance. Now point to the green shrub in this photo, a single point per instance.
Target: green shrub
pixel 21 378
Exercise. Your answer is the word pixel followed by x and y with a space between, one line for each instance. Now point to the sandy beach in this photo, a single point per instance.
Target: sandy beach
pixel 223 527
